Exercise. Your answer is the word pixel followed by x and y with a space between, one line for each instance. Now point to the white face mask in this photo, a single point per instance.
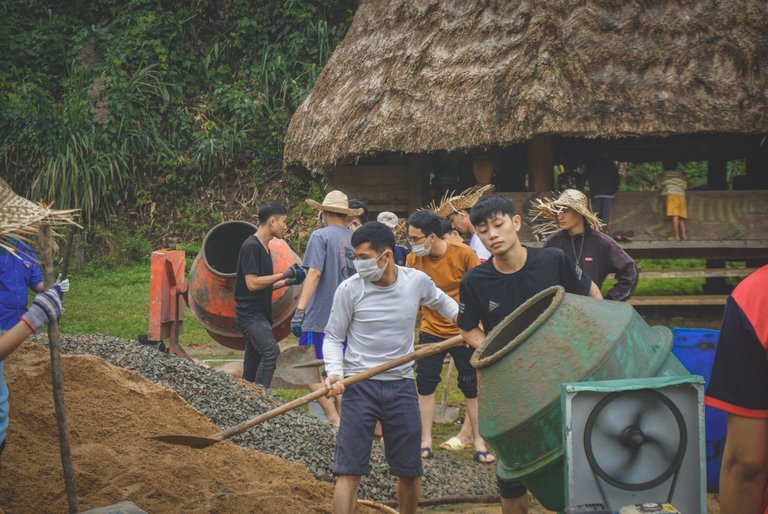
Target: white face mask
pixel 421 250
pixel 368 269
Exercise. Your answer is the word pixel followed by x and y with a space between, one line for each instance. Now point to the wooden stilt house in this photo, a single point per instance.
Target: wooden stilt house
pixel 432 95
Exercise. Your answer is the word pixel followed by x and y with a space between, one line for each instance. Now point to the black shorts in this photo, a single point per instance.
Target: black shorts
pixel 428 369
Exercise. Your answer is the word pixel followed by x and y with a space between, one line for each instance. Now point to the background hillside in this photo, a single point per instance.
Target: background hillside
pixel 157 118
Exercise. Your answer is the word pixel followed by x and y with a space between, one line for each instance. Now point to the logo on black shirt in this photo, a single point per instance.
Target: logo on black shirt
pixel 492 305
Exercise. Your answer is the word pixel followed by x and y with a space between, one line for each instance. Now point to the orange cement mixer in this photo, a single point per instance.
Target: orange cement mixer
pixel 209 290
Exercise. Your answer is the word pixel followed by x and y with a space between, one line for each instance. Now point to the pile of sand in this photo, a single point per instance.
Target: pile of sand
pixel 110 413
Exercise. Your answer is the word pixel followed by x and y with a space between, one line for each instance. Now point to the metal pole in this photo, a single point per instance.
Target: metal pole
pixel 54 344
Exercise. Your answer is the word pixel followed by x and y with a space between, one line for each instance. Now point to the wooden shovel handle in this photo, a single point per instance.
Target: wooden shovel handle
pixel 424 351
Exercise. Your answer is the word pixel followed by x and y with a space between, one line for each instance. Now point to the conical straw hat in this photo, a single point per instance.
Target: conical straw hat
pixel 21 219
pixel 546 211
pixel 465 200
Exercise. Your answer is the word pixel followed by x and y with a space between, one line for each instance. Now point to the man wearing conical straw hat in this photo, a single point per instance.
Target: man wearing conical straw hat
pixel 576 230
pixel 328 260
pixel 20 218
pixel 456 209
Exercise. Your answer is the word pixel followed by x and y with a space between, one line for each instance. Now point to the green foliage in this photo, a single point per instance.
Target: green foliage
pixel 105 104
pixel 647 176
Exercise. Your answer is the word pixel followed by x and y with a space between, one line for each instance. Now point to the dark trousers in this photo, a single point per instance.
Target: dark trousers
pixel 261 350
pixel 603 207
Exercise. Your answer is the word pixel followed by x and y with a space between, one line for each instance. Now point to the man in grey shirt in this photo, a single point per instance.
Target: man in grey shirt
pixel 375 312
pixel 328 260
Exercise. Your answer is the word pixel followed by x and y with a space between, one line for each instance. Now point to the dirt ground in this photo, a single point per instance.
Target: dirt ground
pixel 110 413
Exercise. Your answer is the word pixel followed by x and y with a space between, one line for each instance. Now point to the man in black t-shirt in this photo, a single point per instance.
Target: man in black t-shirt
pixel 254 284
pixel 491 291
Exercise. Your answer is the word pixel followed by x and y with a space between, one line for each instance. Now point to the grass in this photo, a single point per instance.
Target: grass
pixel 670 286
pixel 115 302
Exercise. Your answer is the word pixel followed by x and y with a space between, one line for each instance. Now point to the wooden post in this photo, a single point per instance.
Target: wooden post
pixel 717 173
pixel 541 176
pixel 757 167
pixel 418 183
pixel 54 344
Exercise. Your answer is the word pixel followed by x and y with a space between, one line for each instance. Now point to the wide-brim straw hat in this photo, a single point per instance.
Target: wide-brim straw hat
pixel 465 200
pixel 21 219
pixel 544 212
pixel 335 201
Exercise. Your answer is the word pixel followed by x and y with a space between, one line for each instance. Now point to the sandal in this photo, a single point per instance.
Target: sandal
pixel 454 444
pixel 480 455
pixel 428 452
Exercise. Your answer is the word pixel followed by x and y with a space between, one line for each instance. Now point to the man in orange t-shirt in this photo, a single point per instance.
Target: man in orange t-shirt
pixel 445 262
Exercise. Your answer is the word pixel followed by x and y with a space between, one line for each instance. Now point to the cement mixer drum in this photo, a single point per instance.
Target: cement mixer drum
pixel 211 283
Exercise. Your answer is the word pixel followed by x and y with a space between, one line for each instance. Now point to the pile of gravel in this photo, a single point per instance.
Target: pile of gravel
pixel 293 436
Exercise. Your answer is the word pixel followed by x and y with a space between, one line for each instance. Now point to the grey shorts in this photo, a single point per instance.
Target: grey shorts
pixel 392 402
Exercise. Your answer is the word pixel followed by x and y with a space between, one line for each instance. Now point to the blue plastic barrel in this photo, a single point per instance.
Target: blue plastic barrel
pixel 695 348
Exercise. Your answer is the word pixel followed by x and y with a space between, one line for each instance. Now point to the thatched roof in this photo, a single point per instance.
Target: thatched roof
pixel 427 75
pixel 21 218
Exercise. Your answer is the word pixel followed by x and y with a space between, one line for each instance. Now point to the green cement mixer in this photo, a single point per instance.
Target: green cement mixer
pixel 557 337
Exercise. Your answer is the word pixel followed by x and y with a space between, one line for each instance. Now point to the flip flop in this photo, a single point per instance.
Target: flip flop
pixel 454 444
pixel 428 451
pixel 479 457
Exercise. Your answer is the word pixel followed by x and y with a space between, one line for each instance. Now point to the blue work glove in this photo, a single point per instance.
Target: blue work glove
pixel 295 271
pixel 297 321
pixel 46 308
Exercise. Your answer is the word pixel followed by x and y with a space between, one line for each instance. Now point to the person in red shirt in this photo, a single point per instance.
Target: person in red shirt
pixel 739 386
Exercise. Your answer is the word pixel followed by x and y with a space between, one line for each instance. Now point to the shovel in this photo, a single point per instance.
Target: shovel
pixel 195 441
pixel 446 413
pixel 297 366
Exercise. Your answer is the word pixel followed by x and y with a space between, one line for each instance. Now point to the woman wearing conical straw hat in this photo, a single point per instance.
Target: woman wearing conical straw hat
pixel 19 219
pixel 571 226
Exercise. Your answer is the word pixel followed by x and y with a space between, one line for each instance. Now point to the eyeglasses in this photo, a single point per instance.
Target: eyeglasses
pixel 414 240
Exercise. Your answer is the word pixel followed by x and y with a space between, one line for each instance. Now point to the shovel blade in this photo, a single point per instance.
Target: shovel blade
pixel 297 365
pixel 193 441
pixel 446 414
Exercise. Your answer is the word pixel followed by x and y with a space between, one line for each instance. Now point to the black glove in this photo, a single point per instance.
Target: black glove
pixel 293 281
pixel 46 308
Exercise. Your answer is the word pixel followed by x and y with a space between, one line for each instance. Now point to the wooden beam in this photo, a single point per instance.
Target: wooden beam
pixel 696 273
pixel 541 176
pixel 646 301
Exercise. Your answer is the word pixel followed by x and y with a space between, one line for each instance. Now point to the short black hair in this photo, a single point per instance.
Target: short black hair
pixel 445 227
pixel 378 235
pixel 354 203
pixel 426 221
pixel 269 209
pixel 489 207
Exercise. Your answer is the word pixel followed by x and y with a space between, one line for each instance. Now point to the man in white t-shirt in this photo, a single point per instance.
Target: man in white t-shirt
pixel 375 312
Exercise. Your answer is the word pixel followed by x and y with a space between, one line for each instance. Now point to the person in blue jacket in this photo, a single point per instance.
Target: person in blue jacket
pixel 18 274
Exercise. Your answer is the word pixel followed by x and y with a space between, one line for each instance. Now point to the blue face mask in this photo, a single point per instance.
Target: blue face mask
pixel 368 269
